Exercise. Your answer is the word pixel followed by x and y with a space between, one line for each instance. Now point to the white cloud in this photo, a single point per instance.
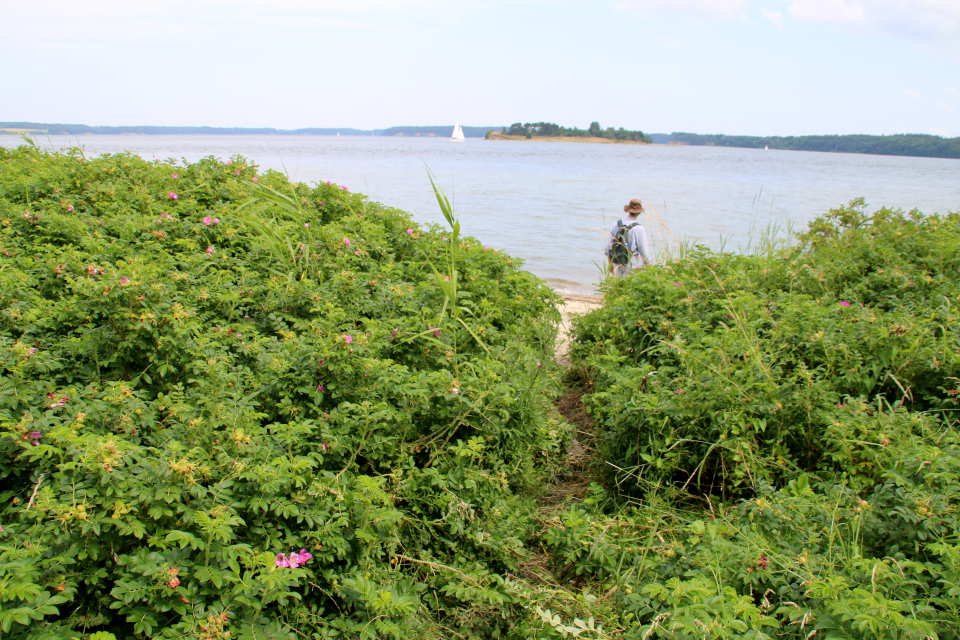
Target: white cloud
pixel 716 9
pixel 930 23
pixel 913 94
pixel 946 107
pixel 832 11
pixel 775 17
pixel 952 91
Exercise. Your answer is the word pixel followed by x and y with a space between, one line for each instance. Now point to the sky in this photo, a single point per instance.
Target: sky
pixel 747 67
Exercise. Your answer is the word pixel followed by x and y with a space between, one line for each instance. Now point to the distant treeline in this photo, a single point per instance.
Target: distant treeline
pixel 442 131
pixel 79 129
pixel 904 144
pixel 549 129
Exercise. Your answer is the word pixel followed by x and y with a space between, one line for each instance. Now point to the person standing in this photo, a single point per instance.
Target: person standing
pixel 628 238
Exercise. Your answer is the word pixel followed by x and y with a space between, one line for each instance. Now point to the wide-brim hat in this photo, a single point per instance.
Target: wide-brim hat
pixel 635 206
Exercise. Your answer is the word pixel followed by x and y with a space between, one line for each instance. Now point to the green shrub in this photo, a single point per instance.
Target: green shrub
pixel 811 558
pixel 780 435
pixel 205 367
pixel 719 371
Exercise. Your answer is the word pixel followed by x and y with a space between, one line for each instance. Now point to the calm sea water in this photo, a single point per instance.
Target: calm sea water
pixel 551 203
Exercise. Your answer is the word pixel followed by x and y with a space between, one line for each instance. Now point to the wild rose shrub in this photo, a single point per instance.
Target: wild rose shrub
pixel 200 386
pixel 780 435
pixel 718 372
pixel 810 560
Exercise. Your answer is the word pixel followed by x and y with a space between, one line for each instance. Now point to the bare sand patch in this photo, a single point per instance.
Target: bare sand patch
pixel 573 305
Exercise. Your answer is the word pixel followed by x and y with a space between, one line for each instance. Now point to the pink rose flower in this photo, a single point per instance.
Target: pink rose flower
pixel 210 250
pixel 207 220
pixel 346 241
pixel 255 179
pixel 348 339
pixel 844 304
pixel 173 196
pixel 305 556
pixel 410 231
pixel 294 559
pixel 124 280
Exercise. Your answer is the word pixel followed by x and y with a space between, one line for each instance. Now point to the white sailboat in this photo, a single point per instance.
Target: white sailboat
pixel 457 133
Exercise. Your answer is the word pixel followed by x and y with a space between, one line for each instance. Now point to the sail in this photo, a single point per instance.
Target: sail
pixel 457 133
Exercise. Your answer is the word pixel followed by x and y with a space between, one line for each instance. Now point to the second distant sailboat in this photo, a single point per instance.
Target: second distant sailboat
pixel 457 133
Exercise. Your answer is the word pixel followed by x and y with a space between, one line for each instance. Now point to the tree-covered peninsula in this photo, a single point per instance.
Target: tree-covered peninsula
pixel 551 130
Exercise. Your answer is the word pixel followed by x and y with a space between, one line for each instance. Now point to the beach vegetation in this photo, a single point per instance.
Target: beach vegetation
pixel 777 437
pixel 234 407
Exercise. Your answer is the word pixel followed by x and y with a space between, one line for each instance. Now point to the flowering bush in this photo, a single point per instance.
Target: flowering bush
pixel 718 371
pixel 779 434
pixel 204 367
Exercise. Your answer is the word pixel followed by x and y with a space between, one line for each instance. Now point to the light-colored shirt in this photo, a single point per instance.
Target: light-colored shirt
pixel 636 239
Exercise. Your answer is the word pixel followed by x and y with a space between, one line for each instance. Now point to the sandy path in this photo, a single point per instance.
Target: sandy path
pixel 573 305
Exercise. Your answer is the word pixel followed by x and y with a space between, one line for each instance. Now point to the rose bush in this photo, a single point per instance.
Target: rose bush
pixel 718 371
pixel 778 435
pixel 206 369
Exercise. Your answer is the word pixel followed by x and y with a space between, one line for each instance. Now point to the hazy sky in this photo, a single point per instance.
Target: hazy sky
pixel 762 67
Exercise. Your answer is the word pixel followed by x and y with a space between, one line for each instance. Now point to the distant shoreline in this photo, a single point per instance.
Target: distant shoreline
pixel 503 136
pixel 899 145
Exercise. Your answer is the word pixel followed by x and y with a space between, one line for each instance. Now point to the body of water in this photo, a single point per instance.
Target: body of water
pixel 552 203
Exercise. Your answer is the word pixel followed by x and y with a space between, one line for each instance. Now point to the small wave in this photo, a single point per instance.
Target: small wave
pixel 562 286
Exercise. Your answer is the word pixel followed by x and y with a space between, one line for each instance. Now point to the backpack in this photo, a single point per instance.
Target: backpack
pixel 620 251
